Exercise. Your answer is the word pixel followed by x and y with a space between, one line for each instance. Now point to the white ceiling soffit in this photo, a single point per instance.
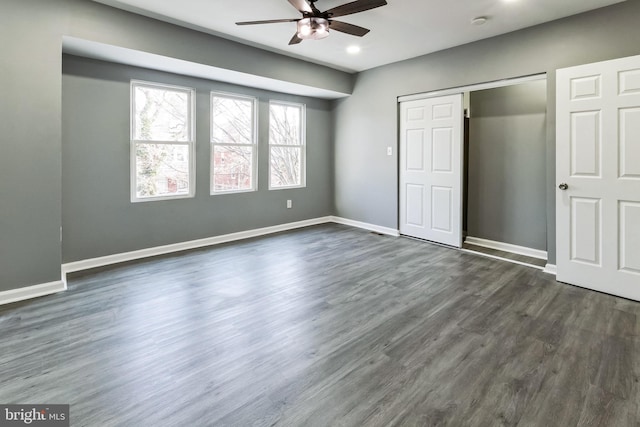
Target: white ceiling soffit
pixel 121 55
pixel 400 30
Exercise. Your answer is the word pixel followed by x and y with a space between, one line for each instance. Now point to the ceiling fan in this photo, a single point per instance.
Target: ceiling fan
pixel 315 24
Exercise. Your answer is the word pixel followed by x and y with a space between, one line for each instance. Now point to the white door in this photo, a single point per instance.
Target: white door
pixel 598 176
pixel 431 132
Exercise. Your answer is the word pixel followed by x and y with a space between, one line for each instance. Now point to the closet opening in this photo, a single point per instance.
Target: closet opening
pixel 472 168
pixel 504 151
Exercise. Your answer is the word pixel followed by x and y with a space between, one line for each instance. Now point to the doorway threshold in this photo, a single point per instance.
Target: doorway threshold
pixel 504 256
pixel 511 257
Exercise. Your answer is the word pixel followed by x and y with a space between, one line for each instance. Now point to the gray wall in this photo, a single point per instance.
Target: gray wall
pixel 507 157
pixel 366 122
pixel 97 215
pixel 30 186
pixel 30 107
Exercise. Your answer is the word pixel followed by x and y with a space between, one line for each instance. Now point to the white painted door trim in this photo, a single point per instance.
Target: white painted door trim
pixel 470 88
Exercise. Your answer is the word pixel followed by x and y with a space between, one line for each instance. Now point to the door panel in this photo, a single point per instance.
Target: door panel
pixel 416 113
pixel 585 87
pixel 586 232
pixel 630 237
pixel 415 205
pixel 598 158
pixel 630 143
pixel 441 209
pixel 585 144
pixel 442 111
pixel 431 169
pixel 629 82
pixel 415 150
pixel 441 159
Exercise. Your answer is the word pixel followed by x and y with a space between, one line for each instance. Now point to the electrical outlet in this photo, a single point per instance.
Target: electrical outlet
pixel 389 151
pixel 289 204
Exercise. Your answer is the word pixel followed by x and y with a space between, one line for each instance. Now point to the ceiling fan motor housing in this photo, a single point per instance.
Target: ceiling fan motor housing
pixel 314 28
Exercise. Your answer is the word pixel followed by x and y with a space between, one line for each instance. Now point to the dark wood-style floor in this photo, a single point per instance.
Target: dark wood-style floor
pixel 325 326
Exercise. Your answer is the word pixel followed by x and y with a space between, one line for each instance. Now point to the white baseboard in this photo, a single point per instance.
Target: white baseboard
pixel 20 294
pixel 551 269
pixel 507 247
pixel 365 226
pixel 15 295
pixel 211 241
pixel 183 246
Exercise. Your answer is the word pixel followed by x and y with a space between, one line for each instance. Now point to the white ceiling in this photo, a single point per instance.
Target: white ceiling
pixel 400 30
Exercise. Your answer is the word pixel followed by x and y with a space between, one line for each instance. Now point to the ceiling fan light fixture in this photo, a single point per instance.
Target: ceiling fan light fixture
pixel 315 24
pixel 313 28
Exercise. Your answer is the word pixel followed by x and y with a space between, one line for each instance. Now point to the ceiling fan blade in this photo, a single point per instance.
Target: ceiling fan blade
pixel 354 7
pixel 295 39
pixel 301 5
pixel 344 27
pixel 270 21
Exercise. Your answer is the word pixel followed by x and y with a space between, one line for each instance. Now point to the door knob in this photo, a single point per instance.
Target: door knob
pixel 563 186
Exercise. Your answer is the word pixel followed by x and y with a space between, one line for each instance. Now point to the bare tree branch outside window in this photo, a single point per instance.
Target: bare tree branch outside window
pixel 286 144
pixel 161 137
pixel 232 143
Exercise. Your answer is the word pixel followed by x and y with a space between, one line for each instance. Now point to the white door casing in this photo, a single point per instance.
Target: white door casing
pixel 598 158
pixel 431 132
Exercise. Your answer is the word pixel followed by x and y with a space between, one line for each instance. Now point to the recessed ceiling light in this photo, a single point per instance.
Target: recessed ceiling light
pixel 480 20
pixel 353 49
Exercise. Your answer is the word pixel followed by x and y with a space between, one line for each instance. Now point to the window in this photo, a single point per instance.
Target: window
pixel 233 143
pixel 162 142
pixel 286 145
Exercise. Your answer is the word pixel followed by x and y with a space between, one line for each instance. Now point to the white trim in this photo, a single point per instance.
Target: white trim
pixel 215 240
pixel 183 246
pixel 551 269
pixel 28 292
pixel 507 247
pixel 474 87
pixel 14 295
pixel 366 226
pixel 513 261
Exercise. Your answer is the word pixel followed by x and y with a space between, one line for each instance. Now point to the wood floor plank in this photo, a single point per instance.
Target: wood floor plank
pixel 325 326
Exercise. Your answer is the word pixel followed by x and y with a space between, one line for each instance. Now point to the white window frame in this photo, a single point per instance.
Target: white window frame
pixel 253 145
pixel 190 143
pixel 302 146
